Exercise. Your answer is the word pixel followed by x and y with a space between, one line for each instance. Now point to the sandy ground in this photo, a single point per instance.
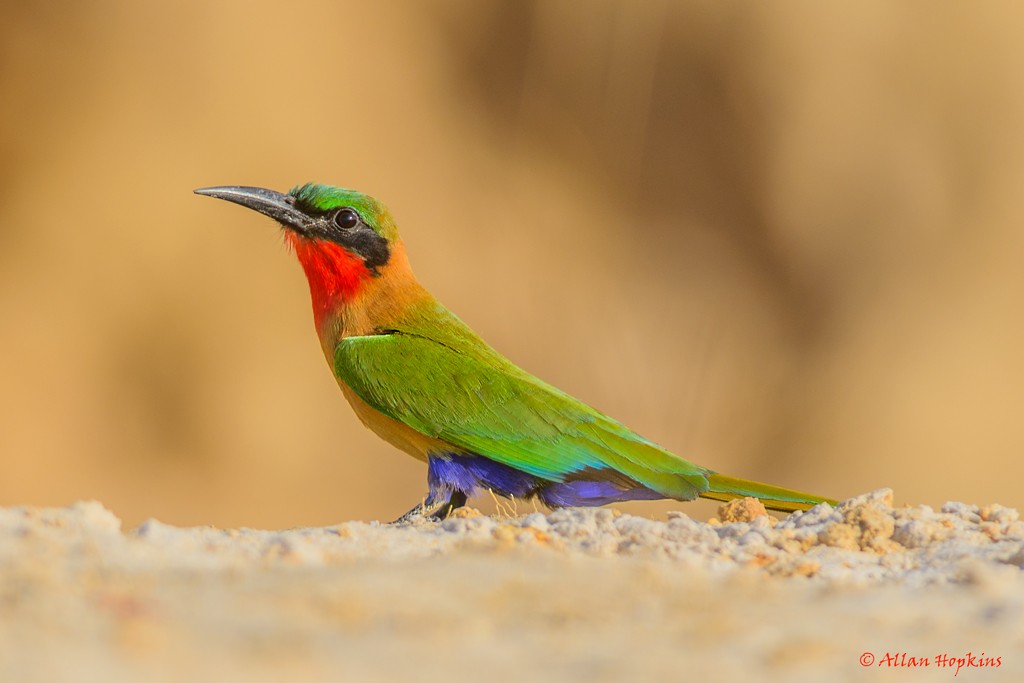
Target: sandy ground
pixel 861 592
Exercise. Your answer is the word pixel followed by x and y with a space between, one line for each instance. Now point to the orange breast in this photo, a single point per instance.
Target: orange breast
pixel 398 434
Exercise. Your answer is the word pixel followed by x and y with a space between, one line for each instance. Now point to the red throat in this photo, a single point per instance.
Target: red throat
pixel 335 275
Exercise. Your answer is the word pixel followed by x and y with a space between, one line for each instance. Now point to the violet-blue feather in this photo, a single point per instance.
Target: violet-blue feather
pixel 580 493
pixel 468 473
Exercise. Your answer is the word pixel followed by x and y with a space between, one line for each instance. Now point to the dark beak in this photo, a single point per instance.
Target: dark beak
pixel 280 207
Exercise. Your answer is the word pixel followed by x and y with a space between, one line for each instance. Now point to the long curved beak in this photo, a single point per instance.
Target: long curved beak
pixel 280 207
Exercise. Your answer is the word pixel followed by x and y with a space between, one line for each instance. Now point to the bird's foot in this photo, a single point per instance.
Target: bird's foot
pixel 433 509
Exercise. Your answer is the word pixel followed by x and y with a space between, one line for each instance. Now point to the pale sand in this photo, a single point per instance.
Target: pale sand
pixel 575 595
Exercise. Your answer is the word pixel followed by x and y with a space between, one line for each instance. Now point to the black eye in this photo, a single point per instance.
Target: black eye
pixel 346 219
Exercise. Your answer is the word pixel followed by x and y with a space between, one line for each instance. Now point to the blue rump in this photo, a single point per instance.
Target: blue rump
pixel 467 473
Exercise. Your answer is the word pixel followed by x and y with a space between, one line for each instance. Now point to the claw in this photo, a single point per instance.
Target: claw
pixel 433 509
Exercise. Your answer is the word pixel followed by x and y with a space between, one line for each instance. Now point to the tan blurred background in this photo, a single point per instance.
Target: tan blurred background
pixel 783 241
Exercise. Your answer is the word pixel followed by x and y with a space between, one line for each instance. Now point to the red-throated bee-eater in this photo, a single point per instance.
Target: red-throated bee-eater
pixel 425 382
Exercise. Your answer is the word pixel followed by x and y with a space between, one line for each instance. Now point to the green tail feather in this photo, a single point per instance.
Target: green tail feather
pixel 726 488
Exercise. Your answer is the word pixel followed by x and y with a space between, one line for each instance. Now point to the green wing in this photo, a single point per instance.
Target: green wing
pixel 450 385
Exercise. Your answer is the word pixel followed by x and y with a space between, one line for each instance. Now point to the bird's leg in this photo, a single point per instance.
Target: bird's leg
pixel 437 506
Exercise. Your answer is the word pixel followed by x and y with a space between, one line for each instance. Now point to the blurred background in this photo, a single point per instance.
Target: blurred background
pixel 783 241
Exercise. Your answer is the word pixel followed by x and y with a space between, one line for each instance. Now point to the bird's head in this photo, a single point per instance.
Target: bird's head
pixel 342 238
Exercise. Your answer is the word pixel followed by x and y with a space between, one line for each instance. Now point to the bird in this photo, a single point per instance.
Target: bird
pixel 424 381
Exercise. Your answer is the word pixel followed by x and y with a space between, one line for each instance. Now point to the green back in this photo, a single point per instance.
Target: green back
pixel 434 374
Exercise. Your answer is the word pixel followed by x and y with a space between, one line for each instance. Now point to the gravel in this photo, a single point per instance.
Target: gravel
pixel 576 594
